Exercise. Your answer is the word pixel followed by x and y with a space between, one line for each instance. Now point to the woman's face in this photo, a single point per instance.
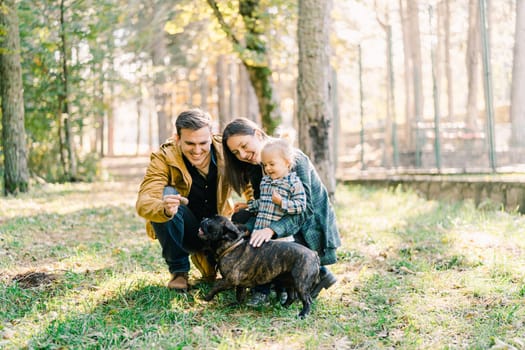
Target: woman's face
pixel 247 148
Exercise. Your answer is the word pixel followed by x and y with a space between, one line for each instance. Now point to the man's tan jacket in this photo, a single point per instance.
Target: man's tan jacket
pixel 167 168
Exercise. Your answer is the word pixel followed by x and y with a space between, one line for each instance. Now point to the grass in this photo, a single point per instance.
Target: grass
pixel 78 272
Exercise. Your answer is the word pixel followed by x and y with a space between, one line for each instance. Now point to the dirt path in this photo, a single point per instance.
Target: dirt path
pixel 125 168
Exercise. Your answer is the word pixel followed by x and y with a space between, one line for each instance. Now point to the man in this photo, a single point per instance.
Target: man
pixel 184 184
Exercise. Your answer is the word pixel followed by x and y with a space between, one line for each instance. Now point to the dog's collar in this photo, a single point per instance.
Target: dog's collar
pixel 232 247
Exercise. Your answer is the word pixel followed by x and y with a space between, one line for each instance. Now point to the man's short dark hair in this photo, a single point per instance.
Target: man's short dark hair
pixel 193 119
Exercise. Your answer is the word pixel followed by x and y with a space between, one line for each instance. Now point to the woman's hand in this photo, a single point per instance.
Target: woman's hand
pixel 239 205
pixel 259 237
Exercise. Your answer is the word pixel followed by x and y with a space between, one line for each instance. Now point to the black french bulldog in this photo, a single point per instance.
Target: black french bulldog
pixel 289 264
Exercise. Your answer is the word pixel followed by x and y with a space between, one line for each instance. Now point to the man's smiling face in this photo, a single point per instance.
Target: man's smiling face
pixel 195 145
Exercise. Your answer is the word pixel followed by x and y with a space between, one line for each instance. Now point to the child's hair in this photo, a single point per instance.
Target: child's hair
pixel 284 148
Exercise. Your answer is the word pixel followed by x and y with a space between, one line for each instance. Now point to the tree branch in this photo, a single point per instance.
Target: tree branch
pixel 225 27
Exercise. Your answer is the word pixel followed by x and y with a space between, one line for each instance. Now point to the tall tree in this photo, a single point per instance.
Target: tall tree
pixel 252 50
pixel 158 52
pixel 248 106
pixel 409 96
pixel 417 71
pixel 415 43
pixel 517 107
pixel 64 100
pixel 151 47
pixel 473 64
pixel 221 92
pixel 232 88
pixel 81 61
pixel 313 87
pixel 16 174
pixel 388 143
pixel 409 10
pixel 448 64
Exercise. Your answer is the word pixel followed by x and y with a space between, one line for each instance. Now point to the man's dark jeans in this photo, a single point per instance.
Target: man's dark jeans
pixel 178 236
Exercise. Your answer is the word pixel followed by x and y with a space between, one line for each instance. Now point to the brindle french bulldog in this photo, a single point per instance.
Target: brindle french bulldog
pixel 242 266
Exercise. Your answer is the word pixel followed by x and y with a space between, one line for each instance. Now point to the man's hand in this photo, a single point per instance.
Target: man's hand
pixel 259 237
pixel 171 203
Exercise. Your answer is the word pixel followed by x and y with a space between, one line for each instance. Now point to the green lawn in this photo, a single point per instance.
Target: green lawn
pixel 77 271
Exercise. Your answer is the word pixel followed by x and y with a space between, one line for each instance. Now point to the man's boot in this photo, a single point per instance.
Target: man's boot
pixel 179 281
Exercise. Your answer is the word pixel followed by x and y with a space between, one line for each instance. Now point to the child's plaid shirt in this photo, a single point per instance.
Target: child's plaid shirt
pixel 293 196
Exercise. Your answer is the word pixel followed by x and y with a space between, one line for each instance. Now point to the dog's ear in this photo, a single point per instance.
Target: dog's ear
pixel 231 230
pixel 243 228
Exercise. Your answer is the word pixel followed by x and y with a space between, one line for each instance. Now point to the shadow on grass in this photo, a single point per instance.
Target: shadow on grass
pixel 133 311
pixel 125 318
pixel 140 316
pixel 30 292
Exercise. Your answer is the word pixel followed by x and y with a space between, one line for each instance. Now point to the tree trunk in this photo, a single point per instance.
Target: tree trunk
pixel 336 118
pixel 158 53
pixel 313 88
pixel 232 88
pixel 16 174
pixel 260 77
pixel 69 142
pixel 409 98
pixel 517 108
pixel 244 95
pixel 190 93
pixel 434 54
pixel 164 126
pixel 417 75
pixel 111 127
pixel 254 56
pixel 249 106
pixel 204 88
pixel 448 65
pixel 98 115
pixel 139 125
pixel 472 61
pixel 387 158
pixel 150 132
pixel 221 92
pixel 257 64
pixel 106 116
pixel 436 17
pixel 100 133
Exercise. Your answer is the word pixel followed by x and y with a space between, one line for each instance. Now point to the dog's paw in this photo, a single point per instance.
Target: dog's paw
pixel 208 297
pixel 303 314
pixel 287 303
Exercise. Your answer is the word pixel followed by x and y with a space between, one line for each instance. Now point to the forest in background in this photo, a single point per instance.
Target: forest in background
pixel 107 77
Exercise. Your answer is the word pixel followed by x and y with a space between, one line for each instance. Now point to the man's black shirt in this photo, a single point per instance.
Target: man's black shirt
pixel 203 192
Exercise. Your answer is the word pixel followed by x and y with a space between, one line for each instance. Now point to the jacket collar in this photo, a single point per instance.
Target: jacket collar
pixel 174 153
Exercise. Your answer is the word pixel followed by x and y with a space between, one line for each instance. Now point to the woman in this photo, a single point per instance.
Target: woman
pixel 315 228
